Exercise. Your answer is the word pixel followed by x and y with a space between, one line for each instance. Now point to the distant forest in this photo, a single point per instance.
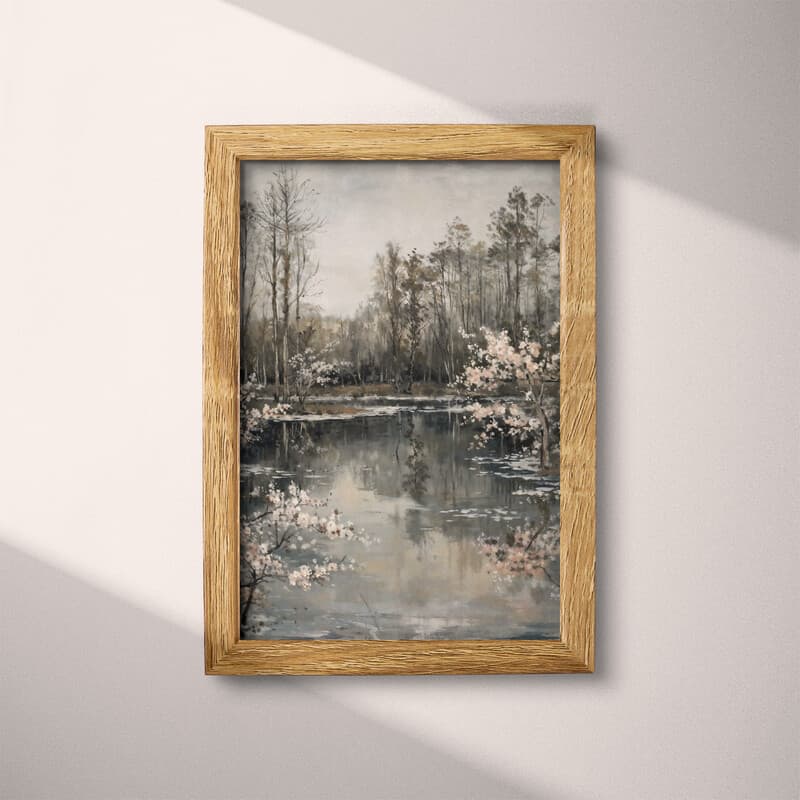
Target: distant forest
pixel 424 296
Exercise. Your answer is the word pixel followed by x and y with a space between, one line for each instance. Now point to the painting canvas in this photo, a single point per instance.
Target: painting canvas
pixel 399 400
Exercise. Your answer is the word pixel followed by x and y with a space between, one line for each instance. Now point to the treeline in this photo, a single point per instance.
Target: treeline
pixel 409 328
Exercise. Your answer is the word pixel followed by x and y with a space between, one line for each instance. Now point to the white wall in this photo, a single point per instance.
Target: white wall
pixel 696 691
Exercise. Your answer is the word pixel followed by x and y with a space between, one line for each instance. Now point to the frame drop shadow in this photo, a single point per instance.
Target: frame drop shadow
pixel 111 701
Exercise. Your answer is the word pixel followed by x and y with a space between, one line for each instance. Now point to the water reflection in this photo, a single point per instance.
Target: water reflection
pixel 408 477
pixel 415 478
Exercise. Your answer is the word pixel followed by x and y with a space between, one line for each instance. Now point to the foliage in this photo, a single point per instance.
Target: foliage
pixel 282 543
pixel 254 421
pixel 526 368
pixel 309 369
pixel 414 281
pixel 525 551
pixel 417 474
pixel 406 328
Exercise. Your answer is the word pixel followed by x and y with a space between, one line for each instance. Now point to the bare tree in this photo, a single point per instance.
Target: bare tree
pixel 305 275
pixel 388 278
pixel 520 232
pixel 269 219
pixel 536 213
pixel 458 240
pixel 297 220
pixel 500 250
pixel 442 329
pixel 414 281
pixel 248 259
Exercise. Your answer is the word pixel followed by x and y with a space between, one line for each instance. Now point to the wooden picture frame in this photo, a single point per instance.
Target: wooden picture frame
pixel 226 147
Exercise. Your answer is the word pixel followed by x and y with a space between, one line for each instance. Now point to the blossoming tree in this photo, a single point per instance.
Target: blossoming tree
pixel 283 543
pixel 527 551
pixel 254 421
pixel 527 368
pixel 310 368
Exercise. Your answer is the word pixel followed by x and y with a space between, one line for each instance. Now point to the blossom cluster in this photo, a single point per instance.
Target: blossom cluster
pixel 308 574
pixel 309 368
pixel 525 366
pixel 250 387
pixel 500 361
pixel 523 551
pixel 258 556
pixel 283 541
pixel 502 419
pixel 254 421
pixel 287 510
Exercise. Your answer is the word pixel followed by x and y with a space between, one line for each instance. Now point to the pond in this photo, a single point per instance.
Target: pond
pixel 404 471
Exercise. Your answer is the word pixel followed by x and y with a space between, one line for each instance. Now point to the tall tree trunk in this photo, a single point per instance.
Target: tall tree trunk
pixel 300 265
pixel 277 366
pixel 244 223
pixel 285 353
pixel 517 314
pixel 542 417
pixel 246 607
pixel 297 325
pixel 396 377
pixel 274 283
pixel 480 292
pixel 285 285
pixel 509 287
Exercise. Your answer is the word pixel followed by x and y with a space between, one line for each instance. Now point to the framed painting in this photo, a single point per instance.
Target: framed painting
pixel 399 399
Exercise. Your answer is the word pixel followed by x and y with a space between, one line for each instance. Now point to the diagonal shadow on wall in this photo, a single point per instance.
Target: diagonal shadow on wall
pixel 102 700
pixel 700 99
pixel 99 699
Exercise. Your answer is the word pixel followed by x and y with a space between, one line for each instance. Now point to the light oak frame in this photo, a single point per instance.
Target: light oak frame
pixel 226 146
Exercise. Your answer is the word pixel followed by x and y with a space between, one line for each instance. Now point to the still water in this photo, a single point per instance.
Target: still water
pixel 404 472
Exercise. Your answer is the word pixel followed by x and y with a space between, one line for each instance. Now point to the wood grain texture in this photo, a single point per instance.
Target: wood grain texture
pixel 398 142
pixel 226 147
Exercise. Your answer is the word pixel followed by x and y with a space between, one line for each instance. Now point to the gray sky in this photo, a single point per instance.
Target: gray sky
pixel 367 203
